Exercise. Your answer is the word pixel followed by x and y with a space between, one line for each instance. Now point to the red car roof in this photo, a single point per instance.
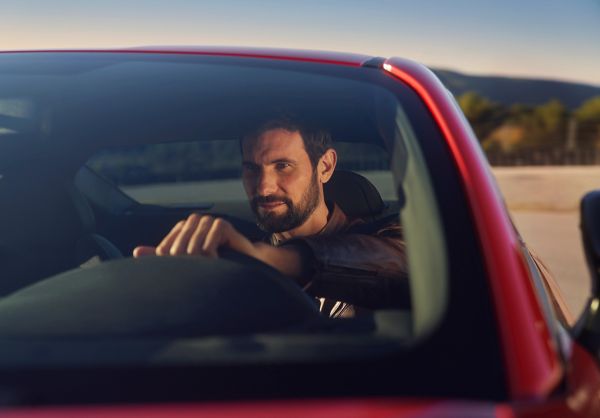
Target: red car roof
pixel 327 57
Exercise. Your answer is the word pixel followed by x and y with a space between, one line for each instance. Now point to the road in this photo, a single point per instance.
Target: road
pixel 544 204
pixel 555 237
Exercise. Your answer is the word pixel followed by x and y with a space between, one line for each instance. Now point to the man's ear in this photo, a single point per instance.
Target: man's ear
pixel 326 165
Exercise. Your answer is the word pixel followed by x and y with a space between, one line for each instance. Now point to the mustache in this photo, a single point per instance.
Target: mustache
pixel 257 200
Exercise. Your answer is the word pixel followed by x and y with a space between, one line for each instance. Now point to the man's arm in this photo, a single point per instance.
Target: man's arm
pixel 202 235
pixel 364 270
pixel 367 270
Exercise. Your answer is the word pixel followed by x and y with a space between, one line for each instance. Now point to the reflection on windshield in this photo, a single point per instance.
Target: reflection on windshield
pixel 162 145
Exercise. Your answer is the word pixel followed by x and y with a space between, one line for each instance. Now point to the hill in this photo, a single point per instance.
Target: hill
pixel 507 90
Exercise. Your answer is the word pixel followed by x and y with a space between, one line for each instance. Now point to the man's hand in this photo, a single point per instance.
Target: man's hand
pixel 200 235
pixel 203 235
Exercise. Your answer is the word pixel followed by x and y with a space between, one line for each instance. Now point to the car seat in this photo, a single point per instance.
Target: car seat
pixel 355 195
pixel 46 227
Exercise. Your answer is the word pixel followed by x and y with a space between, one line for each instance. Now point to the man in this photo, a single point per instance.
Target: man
pixel 311 240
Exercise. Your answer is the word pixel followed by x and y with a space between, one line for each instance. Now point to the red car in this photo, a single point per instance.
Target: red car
pixel 101 151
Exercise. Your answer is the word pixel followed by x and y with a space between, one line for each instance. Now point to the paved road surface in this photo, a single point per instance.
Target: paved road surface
pixel 546 188
pixel 554 236
pixel 544 203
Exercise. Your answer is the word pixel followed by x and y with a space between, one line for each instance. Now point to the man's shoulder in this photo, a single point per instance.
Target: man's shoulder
pixel 386 226
pixel 340 222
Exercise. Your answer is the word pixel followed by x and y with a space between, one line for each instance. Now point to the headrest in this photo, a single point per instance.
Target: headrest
pixel 354 194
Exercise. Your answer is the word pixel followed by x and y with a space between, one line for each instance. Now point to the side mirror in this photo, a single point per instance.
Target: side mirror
pixel 587 329
pixel 590 233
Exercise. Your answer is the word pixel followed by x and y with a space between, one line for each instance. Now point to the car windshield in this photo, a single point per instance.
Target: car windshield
pixel 103 152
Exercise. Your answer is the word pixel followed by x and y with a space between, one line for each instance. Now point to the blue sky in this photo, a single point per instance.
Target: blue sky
pixel 557 39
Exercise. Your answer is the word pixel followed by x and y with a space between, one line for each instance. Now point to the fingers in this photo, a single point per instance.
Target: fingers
pixel 214 238
pixel 164 247
pixel 143 251
pixel 197 235
pixel 196 243
pixel 180 243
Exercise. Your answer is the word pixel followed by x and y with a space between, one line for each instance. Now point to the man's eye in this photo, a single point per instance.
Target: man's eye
pixel 282 166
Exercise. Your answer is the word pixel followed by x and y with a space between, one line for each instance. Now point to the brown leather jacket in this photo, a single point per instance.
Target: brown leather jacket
pixel 355 266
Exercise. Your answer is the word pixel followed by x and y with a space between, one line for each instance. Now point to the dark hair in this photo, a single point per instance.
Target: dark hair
pixel 316 141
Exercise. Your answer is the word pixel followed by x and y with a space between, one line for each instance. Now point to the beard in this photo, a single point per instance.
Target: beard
pixel 294 216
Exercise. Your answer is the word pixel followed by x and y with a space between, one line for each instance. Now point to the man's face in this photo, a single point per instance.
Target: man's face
pixel 281 184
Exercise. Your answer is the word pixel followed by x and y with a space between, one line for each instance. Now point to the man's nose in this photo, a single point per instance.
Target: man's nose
pixel 266 184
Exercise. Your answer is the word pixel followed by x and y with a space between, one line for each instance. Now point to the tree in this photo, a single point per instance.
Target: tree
pixel 541 127
pixel 588 118
pixel 475 106
pixel 483 114
pixel 553 116
pixel 589 110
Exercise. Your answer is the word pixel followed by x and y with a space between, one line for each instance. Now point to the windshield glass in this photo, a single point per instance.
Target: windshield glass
pixel 210 211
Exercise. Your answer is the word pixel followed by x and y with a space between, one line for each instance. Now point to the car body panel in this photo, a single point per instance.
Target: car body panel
pixel 314 408
pixel 576 406
pixel 559 303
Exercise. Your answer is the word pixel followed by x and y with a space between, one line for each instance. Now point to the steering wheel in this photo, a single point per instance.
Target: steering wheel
pixel 161 296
